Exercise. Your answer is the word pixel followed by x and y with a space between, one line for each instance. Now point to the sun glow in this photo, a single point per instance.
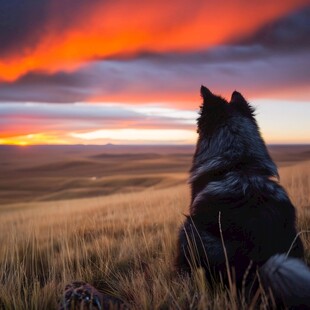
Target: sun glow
pixel 37 138
pixel 118 136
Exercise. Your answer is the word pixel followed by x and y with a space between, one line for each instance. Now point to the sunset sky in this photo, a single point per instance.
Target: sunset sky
pixel 129 71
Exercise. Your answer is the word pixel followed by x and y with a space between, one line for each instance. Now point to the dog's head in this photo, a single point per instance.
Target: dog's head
pixel 228 131
pixel 217 112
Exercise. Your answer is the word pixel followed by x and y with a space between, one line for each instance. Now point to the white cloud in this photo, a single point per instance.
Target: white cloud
pixel 139 135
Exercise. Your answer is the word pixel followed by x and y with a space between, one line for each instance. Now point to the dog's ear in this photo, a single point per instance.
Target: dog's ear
pixel 236 97
pixel 212 111
pixel 207 96
pixel 210 101
pixel 205 92
pixel 238 101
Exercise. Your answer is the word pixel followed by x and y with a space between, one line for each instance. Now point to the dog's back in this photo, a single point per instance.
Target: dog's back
pixel 239 215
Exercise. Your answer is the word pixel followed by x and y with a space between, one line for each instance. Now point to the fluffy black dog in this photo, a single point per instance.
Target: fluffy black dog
pixel 241 222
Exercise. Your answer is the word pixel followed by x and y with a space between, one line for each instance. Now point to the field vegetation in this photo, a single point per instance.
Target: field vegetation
pixel 111 221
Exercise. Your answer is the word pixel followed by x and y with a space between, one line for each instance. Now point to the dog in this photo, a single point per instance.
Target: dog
pixel 241 226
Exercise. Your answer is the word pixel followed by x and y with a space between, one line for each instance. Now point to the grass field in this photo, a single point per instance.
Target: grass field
pixel 118 229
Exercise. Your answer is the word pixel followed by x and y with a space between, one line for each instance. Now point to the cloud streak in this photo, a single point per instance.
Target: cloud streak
pixel 26 119
pixel 174 83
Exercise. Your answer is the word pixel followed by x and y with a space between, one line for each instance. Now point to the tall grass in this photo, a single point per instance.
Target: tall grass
pixel 123 244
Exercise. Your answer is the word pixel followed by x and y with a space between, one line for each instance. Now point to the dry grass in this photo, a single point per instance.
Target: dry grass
pixel 296 180
pixel 122 243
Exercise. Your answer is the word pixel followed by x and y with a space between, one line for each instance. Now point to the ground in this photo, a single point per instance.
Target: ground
pixel 110 216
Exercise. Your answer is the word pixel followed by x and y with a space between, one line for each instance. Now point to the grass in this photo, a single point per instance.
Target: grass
pixel 123 244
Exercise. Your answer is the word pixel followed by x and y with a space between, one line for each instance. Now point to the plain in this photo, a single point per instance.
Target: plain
pixel 110 216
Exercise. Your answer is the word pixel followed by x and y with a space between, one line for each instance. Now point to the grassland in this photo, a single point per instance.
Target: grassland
pixel 121 238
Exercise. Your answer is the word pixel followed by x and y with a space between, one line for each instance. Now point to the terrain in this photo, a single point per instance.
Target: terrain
pixel 110 215
pixel 47 173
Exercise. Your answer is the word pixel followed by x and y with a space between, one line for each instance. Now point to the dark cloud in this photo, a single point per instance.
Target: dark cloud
pixel 57 88
pixel 151 80
pixel 21 22
pixel 288 33
pixel 24 23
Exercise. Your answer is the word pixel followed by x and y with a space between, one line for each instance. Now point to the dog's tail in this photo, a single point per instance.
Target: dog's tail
pixel 288 279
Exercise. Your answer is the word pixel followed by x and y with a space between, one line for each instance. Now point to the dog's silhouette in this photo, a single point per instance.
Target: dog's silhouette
pixel 241 222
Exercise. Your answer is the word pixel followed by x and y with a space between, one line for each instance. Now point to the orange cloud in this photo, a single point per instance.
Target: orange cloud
pixel 129 27
pixel 14 129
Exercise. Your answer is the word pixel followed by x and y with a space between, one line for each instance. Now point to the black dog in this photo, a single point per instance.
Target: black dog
pixel 241 221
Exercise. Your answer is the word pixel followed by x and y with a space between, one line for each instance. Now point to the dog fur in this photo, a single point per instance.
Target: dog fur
pixel 239 214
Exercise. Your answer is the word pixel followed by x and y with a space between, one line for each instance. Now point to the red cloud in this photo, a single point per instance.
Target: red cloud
pixel 127 27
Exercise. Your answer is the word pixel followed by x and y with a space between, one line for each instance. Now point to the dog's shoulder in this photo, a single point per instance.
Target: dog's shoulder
pixel 242 198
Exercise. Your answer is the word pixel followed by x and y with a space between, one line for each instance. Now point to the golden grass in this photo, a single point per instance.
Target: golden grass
pixel 123 243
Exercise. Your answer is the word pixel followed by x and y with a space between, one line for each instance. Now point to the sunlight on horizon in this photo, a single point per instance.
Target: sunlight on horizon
pixel 281 122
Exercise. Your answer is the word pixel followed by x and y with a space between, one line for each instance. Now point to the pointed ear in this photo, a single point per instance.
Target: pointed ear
pixel 238 101
pixel 236 97
pixel 205 93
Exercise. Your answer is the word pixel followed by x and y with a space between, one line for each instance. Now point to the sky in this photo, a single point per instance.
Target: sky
pixel 129 71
